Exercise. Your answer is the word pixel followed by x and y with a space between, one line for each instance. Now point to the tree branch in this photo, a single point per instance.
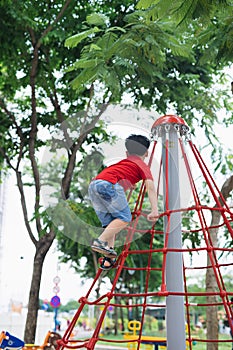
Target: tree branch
pixel 7 159
pixel 61 119
pixel 33 131
pixel 66 181
pixel 227 187
pixel 50 27
pixel 16 169
pixel 18 131
pixel 24 207
pixel 33 137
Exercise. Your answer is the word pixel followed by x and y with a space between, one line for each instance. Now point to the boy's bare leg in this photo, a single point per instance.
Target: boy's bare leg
pixel 108 235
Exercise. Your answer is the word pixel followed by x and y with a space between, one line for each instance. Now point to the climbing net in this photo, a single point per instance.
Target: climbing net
pixel 211 216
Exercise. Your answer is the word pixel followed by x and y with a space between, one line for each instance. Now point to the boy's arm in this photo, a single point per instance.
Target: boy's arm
pixel 150 187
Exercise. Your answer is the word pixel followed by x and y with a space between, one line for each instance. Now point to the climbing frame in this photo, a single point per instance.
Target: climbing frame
pixel 203 217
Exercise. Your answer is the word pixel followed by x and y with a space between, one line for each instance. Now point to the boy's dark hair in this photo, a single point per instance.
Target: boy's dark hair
pixel 137 144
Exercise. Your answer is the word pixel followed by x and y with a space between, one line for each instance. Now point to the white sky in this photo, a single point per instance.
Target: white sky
pixel 17 251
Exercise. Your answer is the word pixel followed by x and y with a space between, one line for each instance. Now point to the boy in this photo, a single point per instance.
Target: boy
pixel 107 193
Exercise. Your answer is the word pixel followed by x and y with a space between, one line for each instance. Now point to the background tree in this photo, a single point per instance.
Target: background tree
pixel 35 96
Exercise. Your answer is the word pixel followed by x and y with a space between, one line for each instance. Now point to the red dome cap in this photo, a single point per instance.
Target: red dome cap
pixel 168 119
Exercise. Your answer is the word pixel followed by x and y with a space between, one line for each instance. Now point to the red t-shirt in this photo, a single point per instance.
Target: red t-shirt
pixel 127 172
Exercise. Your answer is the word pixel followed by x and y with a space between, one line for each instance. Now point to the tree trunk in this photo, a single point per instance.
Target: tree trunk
pixel 211 283
pixel 122 319
pixel 211 286
pixel 42 248
pixel 116 317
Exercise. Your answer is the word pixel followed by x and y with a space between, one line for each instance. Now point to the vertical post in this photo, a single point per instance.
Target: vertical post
pixel 55 319
pixel 2 197
pixel 175 314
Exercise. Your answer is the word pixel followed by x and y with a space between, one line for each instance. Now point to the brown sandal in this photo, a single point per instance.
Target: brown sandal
pixel 111 262
pixel 102 248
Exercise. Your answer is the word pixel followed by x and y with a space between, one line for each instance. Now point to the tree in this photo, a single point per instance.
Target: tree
pixel 211 283
pixel 183 12
pixel 36 96
pixel 153 62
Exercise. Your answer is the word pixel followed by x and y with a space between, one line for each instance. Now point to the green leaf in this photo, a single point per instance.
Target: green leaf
pixel 85 77
pixel 97 19
pixel 114 29
pixel 94 47
pixel 144 4
pixel 83 63
pixel 77 38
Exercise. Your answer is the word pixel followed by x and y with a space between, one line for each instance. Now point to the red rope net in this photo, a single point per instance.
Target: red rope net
pixel 211 215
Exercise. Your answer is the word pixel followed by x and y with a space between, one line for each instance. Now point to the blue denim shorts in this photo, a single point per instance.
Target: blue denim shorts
pixel 109 201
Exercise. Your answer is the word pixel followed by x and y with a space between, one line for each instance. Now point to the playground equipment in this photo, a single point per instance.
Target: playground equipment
pixel 9 342
pixel 49 343
pixel 135 326
pixel 158 343
pixel 174 293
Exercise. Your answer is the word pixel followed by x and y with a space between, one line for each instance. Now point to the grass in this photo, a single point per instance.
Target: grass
pixel 197 346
